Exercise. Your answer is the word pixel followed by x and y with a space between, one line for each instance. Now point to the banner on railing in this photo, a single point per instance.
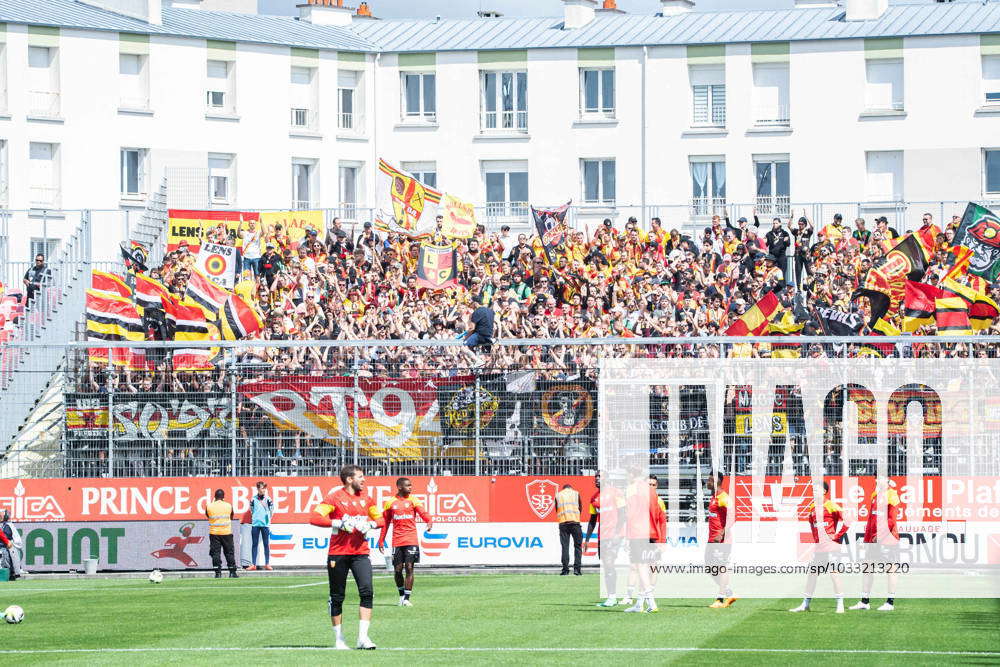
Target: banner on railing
pixel 148 416
pixel 191 226
pixel 448 499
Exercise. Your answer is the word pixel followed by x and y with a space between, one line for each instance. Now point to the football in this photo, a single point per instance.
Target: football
pixel 156 577
pixel 13 614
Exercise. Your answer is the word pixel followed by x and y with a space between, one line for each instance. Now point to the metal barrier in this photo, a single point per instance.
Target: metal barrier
pixel 305 408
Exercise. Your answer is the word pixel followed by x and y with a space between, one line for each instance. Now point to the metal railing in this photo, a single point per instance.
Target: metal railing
pixel 776 205
pixel 502 212
pixel 702 207
pixel 305 119
pixel 515 121
pixel 772 116
pixel 303 408
pixel 44 196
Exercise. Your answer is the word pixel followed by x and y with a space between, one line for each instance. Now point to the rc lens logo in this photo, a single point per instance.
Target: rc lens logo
pixel 434 544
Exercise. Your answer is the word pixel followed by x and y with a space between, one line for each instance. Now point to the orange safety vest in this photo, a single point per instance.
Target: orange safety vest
pixel 568 506
pixel 219 518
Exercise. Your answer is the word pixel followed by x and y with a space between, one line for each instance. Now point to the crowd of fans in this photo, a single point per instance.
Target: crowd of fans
pixel 613 282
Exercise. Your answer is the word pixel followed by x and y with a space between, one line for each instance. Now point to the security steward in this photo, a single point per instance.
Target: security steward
pixel 568 507
pixel 220 533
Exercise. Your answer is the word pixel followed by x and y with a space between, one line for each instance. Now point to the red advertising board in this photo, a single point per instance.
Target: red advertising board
pixel 448 499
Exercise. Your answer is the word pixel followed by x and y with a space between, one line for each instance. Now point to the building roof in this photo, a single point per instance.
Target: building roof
pixel 195 23
pixel 687 28
pixel 607 29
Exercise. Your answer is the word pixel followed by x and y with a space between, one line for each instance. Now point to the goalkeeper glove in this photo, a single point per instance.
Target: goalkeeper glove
pixel 335 526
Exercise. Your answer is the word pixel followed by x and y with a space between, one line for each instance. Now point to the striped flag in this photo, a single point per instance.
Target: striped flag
pixel 114 318
pixel 150 293
pixel 882 327
pixel 919 305
pixel 205 293
pixel 109 283
pixel 983 312
pixel 188 322
pixel 239 319
pixel 952 315
pixel 755 321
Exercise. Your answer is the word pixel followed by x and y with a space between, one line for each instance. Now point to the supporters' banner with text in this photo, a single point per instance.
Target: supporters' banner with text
pixel 437 267
pixel 191 226
pixel 459 219
pixel 294 224
pixel 404 205
pixel 394 419
pixel 217 263
pixel 147 416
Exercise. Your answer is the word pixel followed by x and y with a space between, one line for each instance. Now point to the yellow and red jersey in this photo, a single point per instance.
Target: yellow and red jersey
pixel 832 516
pixel 872 528
pixel 402 514
pixel 343 505
pixel 610 523
pixel 718 510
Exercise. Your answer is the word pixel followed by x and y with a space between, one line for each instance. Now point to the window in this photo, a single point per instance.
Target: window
pixel 133 172
pixel 4 185
pixel 770 93
pixel 221 188
pixel 991 79
pixel 884 85
pixel 771 174
pixel 597 92
pixel 991 171
pixel 419 96
pixel 3 76
pixel 44 247
pixel 506 190
pixel 303 179
pixel 708 185
pixel 708 91
pixel 348 116
pixel 220 96
pixel 505 101
pixel 43 81
pixel 303 95
pixel 425 172
pixel 598 182
pixel 884 180
pixel 43 173
pixel 133 81
pixel 350 189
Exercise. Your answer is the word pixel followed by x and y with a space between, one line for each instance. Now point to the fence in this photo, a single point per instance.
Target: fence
pixel 304 408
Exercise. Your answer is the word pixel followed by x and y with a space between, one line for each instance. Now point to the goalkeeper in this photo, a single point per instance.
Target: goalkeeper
pixel 350 514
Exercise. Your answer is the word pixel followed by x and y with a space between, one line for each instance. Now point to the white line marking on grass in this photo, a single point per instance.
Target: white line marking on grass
pixel 514 649
pixel 315 583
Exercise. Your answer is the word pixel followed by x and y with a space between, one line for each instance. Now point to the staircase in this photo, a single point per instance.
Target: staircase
pixel 33 366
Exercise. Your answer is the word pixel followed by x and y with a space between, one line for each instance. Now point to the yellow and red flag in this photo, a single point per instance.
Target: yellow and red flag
pixel 459 218
pixel 755 321
pixel 437 267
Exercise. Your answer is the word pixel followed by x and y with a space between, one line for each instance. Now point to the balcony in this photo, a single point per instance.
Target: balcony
pixel 504 121
pixel 349 122
pixel 772 116
pixel 703 207
pixel 501 212
pixel 43 103
pixel 302 205
pixel 774 205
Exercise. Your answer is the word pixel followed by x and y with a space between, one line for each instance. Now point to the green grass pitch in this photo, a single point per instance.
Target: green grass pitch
pixel 496 618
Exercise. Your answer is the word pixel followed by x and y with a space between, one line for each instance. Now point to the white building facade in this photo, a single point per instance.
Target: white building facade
pixel 679 115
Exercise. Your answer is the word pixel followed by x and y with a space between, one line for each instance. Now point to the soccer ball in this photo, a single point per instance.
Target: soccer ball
pixel 13 614
pixel 156 577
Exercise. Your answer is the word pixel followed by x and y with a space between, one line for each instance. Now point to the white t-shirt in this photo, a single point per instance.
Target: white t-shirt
pixel 251 243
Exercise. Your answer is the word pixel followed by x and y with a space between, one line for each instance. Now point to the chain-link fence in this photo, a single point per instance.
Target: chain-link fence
pixel 528 407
